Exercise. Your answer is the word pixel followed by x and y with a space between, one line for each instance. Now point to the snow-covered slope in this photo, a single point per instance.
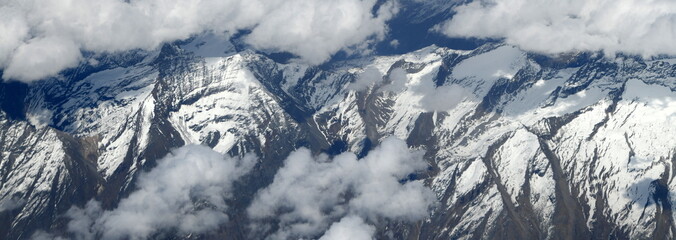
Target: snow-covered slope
pixel 520 146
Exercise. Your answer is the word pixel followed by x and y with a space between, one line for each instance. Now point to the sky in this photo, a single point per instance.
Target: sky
pixel 43 37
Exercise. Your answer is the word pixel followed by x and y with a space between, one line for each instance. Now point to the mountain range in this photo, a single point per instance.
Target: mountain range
pixel 515 144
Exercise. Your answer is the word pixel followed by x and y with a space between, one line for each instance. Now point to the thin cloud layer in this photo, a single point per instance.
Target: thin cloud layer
pixel 366 79
pixel 441 98
pixel 41 38
pixel 186 192
pixel 311 194
pixel 11 204
pixel 643 27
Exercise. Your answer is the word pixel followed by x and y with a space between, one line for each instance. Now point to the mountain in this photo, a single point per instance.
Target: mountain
pixel 519 145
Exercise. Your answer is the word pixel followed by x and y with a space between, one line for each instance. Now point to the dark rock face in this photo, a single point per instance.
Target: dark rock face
pixel 536 148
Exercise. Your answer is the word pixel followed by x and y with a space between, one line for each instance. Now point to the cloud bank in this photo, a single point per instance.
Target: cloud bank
pixel 41 37
pixel 185 192
pixel 643 27
pixel 311 194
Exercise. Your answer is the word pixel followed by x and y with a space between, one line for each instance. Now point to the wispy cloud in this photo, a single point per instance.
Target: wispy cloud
pixel 11 203
pixel 434 98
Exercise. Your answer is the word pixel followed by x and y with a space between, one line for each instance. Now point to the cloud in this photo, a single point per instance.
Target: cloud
pixel 40 38
pixel 42 235
pixel 186 192
pixel 644 27
pixel 40 57
pixel 350 227
pixel 398 79
pixel 315 30
pixel 366 79
pixel 11 204
pixel 442 98
pixel 310 196
pixel 309 193
pixel 432 98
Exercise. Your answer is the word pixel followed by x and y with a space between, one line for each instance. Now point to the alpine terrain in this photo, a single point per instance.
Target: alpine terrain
pixel 512 143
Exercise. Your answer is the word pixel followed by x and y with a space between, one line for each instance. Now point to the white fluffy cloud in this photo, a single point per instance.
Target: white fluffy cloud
pixel 186 192
pixel 644 27
pixel 42 37
pixel 315 30
pixel 350 227
pixel 310 193
pixel 39 56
